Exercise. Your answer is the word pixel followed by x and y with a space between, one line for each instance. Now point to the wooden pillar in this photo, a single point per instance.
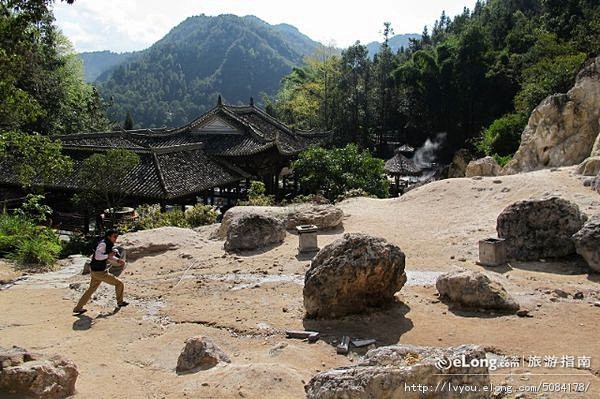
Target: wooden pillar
pixel 397 178
pixel 163 206
pixel 86 222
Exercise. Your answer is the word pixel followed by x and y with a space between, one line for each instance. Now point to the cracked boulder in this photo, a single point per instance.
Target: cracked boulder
pixel 253 231
pixel 540 228
pixel 587 243
pixel 468 289
pixel 27 374
pixel 200 353
pixel 407 371
pixel 353 274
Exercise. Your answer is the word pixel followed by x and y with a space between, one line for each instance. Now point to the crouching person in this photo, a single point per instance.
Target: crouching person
pixel 99 266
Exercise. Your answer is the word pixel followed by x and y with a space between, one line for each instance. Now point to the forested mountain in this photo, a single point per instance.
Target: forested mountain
pixel 180 76
pixel 97 62
pixel 475 77
pixel 395 43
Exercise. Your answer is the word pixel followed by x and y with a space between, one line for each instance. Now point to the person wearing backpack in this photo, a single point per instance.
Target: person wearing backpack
pixel 99 266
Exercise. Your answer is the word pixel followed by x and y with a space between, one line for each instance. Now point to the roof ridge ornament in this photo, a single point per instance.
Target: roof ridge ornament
pixel 251 101
pixel 219 101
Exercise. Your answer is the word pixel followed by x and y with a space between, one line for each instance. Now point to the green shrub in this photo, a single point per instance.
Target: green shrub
pixel 34 210
pixel 41 249
pixel 357 192
pixel 256 195
pixel 14 228
pixel 502 160
pixel 201 215
pixel 150 217
pixel 312 198
pixel 174 218
pixel 503 136
pixel 336 171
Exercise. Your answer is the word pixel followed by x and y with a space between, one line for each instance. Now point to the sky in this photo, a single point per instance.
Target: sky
pixel 127 25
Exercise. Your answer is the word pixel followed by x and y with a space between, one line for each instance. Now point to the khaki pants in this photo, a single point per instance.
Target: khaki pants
pixel 97 278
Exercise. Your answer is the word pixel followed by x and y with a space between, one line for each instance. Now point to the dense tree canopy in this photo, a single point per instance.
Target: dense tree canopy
pixel 493 63
pixel 42 92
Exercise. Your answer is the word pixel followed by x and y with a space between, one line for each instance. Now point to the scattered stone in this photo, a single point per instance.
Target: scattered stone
pixel 359 343
pixel 352 274
pixel 524 313
pixel 385 372
pixel 597 304
pixel 576 113
pixel 343 347
pixel 497 181
pixel 587 243
pixel 578 295
pixel 560 293
pixel 253 231
pixel 201 353
pixel 301 334
pixel 486 166
pixel 23 373
pixel 474 290
pixel 541 228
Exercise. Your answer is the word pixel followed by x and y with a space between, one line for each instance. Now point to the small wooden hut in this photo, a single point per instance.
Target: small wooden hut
pixel 398 166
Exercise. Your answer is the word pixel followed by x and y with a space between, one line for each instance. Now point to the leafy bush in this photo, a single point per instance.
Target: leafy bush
pixel 33 209
pixel 42 249
pixel 502 160
pixel 14 228
pixel 256 195
pixel 201 215
pixel 174 218
pixel 336 171
pixel 503 136
pixel 150 217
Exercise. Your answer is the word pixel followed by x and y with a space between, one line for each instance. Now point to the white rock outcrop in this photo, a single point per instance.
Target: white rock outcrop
pixel 563 128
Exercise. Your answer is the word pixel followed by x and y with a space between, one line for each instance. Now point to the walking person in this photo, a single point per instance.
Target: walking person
pixel 99 271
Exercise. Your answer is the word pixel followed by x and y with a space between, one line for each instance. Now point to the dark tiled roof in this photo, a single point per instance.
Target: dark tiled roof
pixel 185 160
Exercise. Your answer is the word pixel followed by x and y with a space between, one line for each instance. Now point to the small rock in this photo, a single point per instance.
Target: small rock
pixel 524 313
pixel 200 352
pixel 578 295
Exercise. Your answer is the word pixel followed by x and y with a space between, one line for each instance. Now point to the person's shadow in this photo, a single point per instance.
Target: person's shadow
pixel 85 322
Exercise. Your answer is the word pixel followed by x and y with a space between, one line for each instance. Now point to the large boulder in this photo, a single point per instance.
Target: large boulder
pixel 200 353
pixel 253 231
pixel 470 289
pixel 406 371
pixel 587 243
pixel 352 274
pixel 27 374
pixel 562 129
pixel 591 166
pixel 542 228
pixel 323 216
pixel 458 167
pixel 154 241
pixel 278 212
pixel 486 166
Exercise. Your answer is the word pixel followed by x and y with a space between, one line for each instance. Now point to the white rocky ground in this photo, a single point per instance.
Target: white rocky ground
pixel 245 302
